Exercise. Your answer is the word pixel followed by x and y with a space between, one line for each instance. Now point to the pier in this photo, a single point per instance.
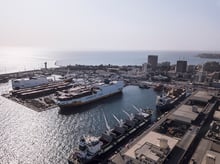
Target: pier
pixel 41 98
pixel 196 122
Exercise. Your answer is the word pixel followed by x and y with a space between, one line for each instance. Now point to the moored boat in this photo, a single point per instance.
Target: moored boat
pixel 83 95
pixel 93 149
pixel 167 101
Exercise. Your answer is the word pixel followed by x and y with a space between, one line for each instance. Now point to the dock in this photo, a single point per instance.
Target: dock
pixel 181 131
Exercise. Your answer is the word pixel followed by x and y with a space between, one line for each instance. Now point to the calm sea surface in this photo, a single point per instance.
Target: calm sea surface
pixel 21 59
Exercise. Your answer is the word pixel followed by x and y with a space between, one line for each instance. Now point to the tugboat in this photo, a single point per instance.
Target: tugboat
pixel 92 149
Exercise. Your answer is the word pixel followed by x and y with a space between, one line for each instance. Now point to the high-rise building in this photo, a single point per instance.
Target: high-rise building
pixel 181 66
pixel 152 61
pixel 144 67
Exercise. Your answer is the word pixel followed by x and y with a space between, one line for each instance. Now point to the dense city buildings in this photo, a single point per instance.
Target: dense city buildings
pixel 211 66
pixel 191 68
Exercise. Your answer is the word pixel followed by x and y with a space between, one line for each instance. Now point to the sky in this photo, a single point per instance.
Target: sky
pixel 111 24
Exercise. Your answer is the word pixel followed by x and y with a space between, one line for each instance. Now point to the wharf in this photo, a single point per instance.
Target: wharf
pixel 38 98
pixel 41 99
pixel 187 143
pixel 119 157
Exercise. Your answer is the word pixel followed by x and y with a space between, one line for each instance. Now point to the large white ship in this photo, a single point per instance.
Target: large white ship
pixel 30 82
pixel 83 95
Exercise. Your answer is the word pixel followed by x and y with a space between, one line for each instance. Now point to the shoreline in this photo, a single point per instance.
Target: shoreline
pixel 209 55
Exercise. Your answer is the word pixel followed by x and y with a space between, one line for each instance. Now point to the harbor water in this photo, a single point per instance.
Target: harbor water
pixel 27 136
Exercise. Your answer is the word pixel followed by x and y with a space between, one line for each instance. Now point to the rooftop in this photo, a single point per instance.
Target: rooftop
pixel 146 151
pixel 214 131
pixel 202 96
pixel 188 138
pixel 217 115
pixel 211 157
pixel 153 138
pixel 185 113
pixel 203 146
pixel 181 148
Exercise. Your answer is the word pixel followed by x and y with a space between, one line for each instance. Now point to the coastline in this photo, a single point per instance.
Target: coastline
pixel 209 55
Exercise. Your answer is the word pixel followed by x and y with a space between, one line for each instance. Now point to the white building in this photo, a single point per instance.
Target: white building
pixel 153 148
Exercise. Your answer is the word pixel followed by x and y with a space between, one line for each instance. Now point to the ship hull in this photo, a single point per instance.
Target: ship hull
pixel 102 91
pixel 78 104
pixel 164 108
pixel 123 139
pixel 170 105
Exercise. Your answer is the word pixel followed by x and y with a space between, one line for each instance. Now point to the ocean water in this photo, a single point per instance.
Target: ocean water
pixel 21 59
pixel 29 137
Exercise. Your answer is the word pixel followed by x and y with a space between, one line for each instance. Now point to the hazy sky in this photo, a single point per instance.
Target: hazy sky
pixel 111 24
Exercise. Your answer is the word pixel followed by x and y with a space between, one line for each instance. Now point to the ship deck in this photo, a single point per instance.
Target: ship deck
pixel 117 143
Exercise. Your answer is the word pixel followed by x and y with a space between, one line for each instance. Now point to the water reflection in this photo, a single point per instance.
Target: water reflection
pixel 48 137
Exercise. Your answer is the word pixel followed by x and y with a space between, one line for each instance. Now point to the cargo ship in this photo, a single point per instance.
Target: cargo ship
pixel 167 101
pixel 79 96
pixel 95 149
